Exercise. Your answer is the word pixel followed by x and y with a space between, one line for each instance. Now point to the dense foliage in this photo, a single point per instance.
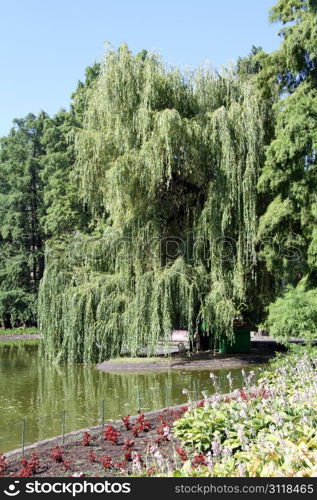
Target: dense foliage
pixel 169 167
pixel 266 431
pixel 21 233
pixel 294 314
pixel 166 199
pixel 38 200
pixel 289 175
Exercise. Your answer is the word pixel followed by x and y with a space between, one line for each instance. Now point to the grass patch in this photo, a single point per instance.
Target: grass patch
pixel 19 343
pixel 138 360
pixel 19 331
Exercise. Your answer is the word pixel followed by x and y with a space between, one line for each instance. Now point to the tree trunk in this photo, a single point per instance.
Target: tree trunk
pixel 7 321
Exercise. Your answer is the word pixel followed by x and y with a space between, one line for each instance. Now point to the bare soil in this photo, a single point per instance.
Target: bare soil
pixel 200 361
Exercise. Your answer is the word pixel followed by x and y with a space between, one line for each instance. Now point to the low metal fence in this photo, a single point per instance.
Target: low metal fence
pixel 62 426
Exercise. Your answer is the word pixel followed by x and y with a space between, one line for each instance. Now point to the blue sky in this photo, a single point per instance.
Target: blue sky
pixel 45 45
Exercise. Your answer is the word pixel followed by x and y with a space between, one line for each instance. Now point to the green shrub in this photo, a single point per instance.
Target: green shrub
pixel 294 315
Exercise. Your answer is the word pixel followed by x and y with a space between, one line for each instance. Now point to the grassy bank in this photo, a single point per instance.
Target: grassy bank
pixel 19 331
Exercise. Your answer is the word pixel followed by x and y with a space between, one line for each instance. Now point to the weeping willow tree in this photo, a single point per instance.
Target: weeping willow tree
pixel 169 164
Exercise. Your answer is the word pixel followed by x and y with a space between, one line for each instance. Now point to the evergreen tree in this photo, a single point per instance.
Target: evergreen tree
pixel 21 235
pixel 39 200
pixel 63 208
pixel 289 175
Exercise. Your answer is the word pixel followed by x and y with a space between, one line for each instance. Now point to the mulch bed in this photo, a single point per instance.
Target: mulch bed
pixel 134 448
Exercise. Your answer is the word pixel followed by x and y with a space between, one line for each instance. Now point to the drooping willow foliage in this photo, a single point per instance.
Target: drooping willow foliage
pixel 169 164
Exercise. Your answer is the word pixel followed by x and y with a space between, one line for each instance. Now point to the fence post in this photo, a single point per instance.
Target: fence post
pixel 167 396
pixel 196 390
pixel 102 405
pixel 23 436
pixel 139 400
pixel 63 415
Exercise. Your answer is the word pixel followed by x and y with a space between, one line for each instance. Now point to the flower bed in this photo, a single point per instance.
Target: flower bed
pixel 267 432
pixel 141 445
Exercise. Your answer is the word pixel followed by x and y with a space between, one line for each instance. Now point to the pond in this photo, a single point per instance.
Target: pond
pixel 40 392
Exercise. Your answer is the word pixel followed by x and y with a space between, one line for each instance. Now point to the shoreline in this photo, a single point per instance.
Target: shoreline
pixel 261 353
pixel 57 440
pixel 9 338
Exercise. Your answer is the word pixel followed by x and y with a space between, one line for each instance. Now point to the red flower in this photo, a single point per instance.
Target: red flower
pixel 24 472
pixel 243 395
pixel 182 454
pixel 86 439
pixel 198 460
pixel 143 424
pixel 201 404
pixel 111 434
pixel 135 431
pixel 106 462
pixel 29 467
pixel 126 422
pixel 121 465
pixel 128 444
pixel 4 464
pixel 160 428
pixel 56 454
pixel 160 439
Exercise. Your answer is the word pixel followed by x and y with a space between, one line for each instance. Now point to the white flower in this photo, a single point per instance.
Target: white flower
pixel 136 463
pixel 242 470
pixel 159 458
pixel 166 432
pixel 216 448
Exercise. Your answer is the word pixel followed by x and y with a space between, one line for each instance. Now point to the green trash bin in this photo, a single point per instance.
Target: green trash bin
pixel 241 342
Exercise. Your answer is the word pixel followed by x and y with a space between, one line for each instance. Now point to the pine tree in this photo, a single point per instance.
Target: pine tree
pixel 38 200
pixel 289 177
pixel 65 211
pixel 21 235
pixel 63 208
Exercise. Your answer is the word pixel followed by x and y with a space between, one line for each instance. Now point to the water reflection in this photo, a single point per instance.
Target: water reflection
pixel 37 391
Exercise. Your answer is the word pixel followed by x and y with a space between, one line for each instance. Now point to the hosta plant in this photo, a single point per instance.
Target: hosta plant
pixel 271 432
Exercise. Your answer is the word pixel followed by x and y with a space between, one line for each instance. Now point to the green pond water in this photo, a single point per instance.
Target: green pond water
pixel 39 392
